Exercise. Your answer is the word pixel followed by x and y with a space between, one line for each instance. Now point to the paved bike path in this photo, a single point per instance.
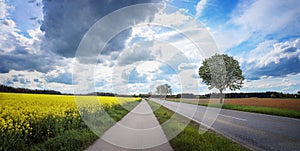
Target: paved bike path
pixel 138 130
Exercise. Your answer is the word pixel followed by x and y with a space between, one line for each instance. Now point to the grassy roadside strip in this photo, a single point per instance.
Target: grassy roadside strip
pixel 189 137
pixel 254 109
pixel 80 139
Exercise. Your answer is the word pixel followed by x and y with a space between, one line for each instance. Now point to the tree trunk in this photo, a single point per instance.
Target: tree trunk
pixel 221 96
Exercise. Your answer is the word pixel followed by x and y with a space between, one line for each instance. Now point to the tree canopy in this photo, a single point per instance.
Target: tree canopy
pixel 163 89
pixel 221 71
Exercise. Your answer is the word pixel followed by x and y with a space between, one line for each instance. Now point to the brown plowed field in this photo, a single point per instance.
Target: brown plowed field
pixel 292 104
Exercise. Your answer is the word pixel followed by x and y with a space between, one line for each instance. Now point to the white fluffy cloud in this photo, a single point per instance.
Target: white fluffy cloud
pixel 273 52
pixel 289 83
pixel 138 52
pixel 3 9
pixel 167 19
pixel 269 17
pixel 199 7
pixel 9 35
pixel 12 37
pixel 147 55
pixel 38 80
pixel 153 53
pixel 23 62
pixel 255 20
pixel 20 52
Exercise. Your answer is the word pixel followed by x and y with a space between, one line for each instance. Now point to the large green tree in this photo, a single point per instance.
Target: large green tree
pixel 221 71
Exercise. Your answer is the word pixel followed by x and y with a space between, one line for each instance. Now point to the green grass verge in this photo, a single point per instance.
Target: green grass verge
pixel 263 110
pixel 80 139
pixel 189 137
pixel 254 109
pixel 75 140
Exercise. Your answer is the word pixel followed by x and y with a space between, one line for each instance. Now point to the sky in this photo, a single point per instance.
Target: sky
pixel 133 46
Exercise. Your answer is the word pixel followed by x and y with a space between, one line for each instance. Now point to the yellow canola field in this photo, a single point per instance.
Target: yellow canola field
pixel 32 118
pixel 14 104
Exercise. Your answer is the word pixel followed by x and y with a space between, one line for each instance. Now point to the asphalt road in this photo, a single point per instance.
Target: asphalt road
pixel 256 131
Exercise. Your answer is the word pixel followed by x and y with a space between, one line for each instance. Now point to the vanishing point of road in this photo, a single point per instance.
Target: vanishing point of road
pixel 256 131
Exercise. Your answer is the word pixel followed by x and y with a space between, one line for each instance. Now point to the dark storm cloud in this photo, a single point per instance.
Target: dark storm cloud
pixel 65 78
pixel 130 57
pixel 65 22
pixel 117 43
pixel 20 59
pixel 286 66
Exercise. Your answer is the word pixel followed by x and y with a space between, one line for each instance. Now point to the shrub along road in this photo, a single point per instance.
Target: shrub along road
pixel 256 131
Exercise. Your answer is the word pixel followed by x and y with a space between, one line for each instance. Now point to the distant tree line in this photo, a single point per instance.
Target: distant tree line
pixel 257 95
pixel 268 94
pixel 101 94
pixel 108 94
pixel 9 89
pixel 245 95
pixel 262 95
pixel 231 95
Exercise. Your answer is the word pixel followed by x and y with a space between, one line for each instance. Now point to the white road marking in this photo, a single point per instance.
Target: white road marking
pixel 233 117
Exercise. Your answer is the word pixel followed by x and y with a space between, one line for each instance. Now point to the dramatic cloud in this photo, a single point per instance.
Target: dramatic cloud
pixel 64 78
pixel 9 35
pixel 287 83
pixel 139 52
pixel 23 79
pixel 116 44
pixel 269 17
pixel 65 26
pixel 257 21
pixel 270 52
pixel 20 59
pixel 271 58
pixel 143 48
pixel 18 52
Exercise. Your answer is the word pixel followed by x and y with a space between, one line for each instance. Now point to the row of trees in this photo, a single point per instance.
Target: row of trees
pixel 231 95
pixel 4 88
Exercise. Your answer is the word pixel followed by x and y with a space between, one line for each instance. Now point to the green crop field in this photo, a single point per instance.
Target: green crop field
pixel 33 121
